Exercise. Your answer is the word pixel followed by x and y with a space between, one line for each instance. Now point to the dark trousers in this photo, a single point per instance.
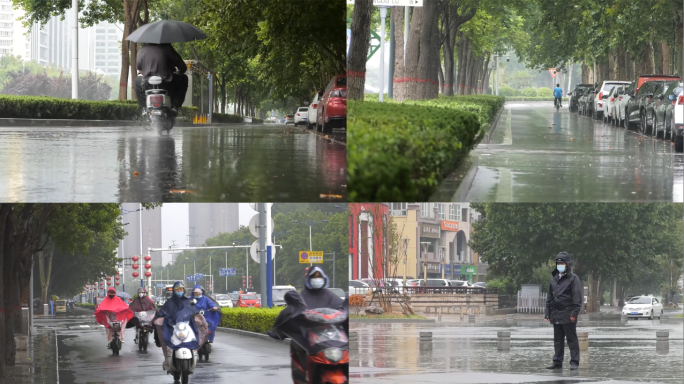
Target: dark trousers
pixel 569 332
pixel 557 100
pixel 177 88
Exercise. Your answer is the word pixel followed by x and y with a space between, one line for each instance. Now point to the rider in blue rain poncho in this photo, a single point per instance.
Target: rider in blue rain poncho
pixel 177 309
pixel 206 304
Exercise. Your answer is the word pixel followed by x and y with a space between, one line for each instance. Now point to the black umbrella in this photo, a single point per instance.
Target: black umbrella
pixel 123 295
pixel 166 31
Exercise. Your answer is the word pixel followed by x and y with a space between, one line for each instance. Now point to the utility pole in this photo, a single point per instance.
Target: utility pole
pixel 74 52
pixel 262 251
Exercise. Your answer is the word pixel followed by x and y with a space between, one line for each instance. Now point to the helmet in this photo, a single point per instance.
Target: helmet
pixel 141 291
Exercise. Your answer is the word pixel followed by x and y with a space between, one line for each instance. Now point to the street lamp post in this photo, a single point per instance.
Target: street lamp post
pixel 426 244
pixel 274 259
pixel 497 70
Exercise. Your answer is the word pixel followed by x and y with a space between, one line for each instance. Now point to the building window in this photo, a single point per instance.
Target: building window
pixel 100 44
pixel 5 33
pixel 114 64
pixel 100 63
pixel 100 50
pixel 114 50
pixel 5 50
pixel 455 212
pixel 112 30
pixel 6 7
pixel 101 57
pixel 6 43
pixel 440 211
pixel 399 209
pixel 5 16
pixel 6 25
pixel 424 210
pixel 100 30
pixel 113 43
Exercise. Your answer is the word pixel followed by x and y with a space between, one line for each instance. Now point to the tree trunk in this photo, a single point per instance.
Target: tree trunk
pixel 666 55
pixel 421 51
pixel 630 66
pixel 4 212
pixel 620 63
pixel 398 82
pixel 585 73
pixel 648 59
pixel 125 63
pixel 611 65
pixel 358 49
pixel 679 30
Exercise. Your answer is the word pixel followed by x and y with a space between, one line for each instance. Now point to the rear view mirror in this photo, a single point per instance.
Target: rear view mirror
pixel 672 97
pixel 661 96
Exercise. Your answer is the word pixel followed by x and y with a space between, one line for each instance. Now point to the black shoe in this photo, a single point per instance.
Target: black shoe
pixel 555 367
pixel 574 367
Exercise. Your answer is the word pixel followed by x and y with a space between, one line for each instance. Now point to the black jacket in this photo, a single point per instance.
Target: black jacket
pixel 565 297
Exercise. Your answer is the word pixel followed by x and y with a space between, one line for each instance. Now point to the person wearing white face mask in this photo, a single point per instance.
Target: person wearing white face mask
pixel 563 305
pixel 315 293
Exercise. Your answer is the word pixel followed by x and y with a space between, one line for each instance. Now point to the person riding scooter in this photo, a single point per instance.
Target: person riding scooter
pixel 140 303
pixel 112 304
pixel 161 60
pixel 177 302
pixel 206 304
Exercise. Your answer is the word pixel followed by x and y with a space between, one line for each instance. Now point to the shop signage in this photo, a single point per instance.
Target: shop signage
pixel 433 267
pixel 449 225
pixel 429 230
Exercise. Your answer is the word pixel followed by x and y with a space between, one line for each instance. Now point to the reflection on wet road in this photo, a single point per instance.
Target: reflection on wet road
pixel 230 163
pixel 540 155
pixel 391 353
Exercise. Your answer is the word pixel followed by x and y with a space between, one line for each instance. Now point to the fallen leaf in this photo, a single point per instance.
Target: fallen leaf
pixel 135 173
pixel 181 191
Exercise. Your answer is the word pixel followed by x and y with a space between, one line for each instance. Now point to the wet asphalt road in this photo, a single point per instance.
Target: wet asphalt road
pixel 84 358
pixel 390 353
pixel 539 155
pixel 209 164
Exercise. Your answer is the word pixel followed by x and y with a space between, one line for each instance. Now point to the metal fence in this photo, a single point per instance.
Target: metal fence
pixel 508 301
pixel 450 290
pixel 531 303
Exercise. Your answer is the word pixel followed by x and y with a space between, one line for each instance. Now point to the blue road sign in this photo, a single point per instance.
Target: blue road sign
pixel 200 275
pixel 160 285
pixel 227 272
pixel 190 278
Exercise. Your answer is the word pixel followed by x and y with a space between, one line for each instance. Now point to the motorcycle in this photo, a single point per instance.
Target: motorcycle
pixel 319 348
pixel 181 340
pixel 160 116
pixel 115 344
pixel 144 329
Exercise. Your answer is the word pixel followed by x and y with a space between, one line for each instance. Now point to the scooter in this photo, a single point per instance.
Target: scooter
pixel 319 347
pixel 159 113
pixel 204 329
pixel 115 344
pixel 144 329
pixel 205 349
pixel 181 351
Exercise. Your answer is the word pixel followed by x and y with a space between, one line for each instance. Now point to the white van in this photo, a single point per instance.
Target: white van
pixel 278 294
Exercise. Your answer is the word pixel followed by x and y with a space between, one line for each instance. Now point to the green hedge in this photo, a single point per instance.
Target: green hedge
pixel 226 118
pixel 257 320
pixel 544 92
pixel 522 98
pixel 402 151
pixel 39 107
pixel 258 121
pixel 529 92
pixel 86 305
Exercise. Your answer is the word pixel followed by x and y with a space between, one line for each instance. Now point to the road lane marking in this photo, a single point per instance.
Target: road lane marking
pixel 504 189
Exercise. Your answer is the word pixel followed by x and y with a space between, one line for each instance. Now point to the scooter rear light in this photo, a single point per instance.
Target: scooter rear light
pixel 157 100
pixel 314 106
pixel 601 96
pixel 680 100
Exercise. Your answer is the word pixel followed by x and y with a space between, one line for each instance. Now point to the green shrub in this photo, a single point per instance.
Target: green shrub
pixel 39 107
pixel 508 91
pixel 257 121
pixel 226 118
pixel 86 305
pixel 544 92
pixel 257 320
pixel 522 98
pixel 187 113
pixel 402 151
pixel 529 92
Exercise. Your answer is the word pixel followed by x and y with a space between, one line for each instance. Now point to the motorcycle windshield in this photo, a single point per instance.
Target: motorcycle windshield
pixel 145 317
pixel 326 336
pixel 325 316
pixel 181 331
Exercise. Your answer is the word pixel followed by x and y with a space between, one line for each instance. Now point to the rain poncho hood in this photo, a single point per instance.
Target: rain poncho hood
pixel 205 303
pixel 564 257
pixel 112 305
pixel 319 298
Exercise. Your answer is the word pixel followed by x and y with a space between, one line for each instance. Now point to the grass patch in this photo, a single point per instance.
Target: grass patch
pixel 679 316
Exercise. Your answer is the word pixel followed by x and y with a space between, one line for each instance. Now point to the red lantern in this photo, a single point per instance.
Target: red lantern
pixel 117 283
pixel 148 273
pixel 118 278
pixel 109 283
pixel 117 272
pixel 135 258
pixel 109 278
pixel 135 266
pixel 148 258
pixel 148 266
pixel 136 274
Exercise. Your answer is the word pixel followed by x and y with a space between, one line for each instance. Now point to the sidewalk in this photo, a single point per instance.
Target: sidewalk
pixel 37 364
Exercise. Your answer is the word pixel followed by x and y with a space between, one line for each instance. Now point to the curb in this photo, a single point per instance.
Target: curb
pixel 332 140
pixel 453 188
pixel 494 124
pixel 386 321
pixel 66 123
pixel 251 334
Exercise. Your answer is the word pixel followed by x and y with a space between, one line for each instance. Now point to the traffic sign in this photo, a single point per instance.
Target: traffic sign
pixel 200 275
pixel 160 285
pixel 393 3
pixel 311 257
pixel 553 72
pixel 227 272
pixel 254 222
pixel 190 278
pixel 253 251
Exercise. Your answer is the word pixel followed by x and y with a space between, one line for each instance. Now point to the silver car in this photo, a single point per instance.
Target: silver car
pixel 662 108
pixel 677 122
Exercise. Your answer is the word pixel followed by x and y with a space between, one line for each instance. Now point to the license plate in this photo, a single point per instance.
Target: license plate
pixel 155 112
pixel 634 313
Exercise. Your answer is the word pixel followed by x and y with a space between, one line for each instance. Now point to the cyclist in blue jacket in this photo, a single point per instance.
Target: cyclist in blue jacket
pixel 557 93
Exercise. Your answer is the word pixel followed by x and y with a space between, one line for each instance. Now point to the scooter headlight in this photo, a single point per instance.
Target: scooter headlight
pixel 333 354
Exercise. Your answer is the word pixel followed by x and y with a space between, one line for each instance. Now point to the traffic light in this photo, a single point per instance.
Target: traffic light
pixel 250 282
pixel 244 282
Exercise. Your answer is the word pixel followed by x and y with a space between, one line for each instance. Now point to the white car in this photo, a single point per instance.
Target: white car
pixel 643 306
pixel 224 300
pixel 610 104
pixel 677 123
pixel 621 105
pixel 301 117
pixel 311 117
pixel 600 98
pixel 358 287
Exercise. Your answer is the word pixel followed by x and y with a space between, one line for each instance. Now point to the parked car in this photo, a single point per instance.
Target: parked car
pixel 585 103
pixel 599 99
pixel 480 284
pixel 301 117
pixel 677 122
pixel 338 292
pixel 575 95
pixel 460 283
pixel 609 105
pixel 332 110
pixel 643 306
pixel 357 287
pixel 620 104
pixel 248 300
pixel 278 294
pixel 638 92
pixel 658 111
pixel 373 284
pixel 312 112
pixel 289 119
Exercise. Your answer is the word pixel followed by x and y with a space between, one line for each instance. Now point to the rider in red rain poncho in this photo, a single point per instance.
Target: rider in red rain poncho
pixel 113 304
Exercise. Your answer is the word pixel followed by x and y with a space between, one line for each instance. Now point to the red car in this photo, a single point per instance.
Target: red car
pixel 248 300
pixel 332 109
